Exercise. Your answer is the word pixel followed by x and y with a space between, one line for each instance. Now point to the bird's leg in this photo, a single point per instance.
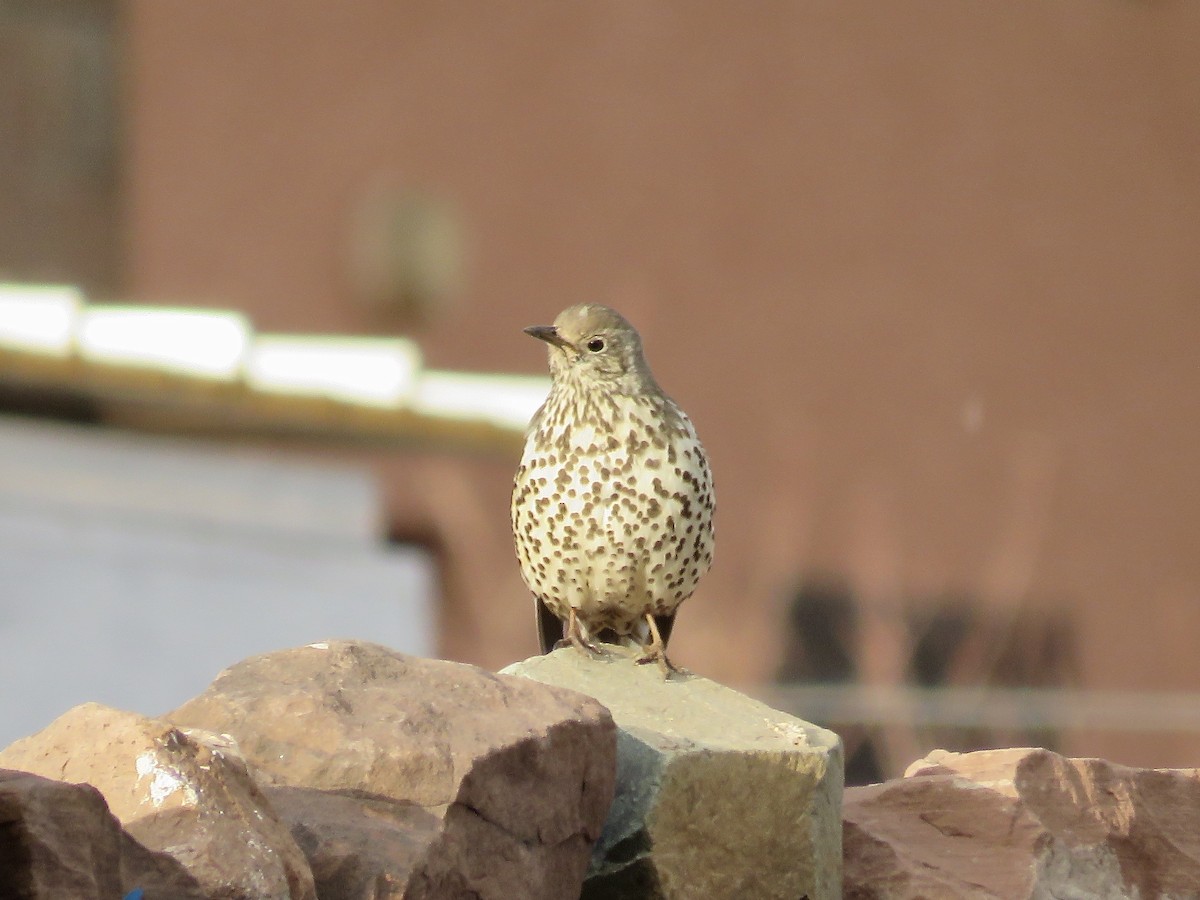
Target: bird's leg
pixel 656 650
pixel 578 637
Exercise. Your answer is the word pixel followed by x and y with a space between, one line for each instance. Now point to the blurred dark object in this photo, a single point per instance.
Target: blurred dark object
pixel 952 640
pixel 59 144
pixel 822 626
pixel 406 255
pixel 956 641
pixel 67 406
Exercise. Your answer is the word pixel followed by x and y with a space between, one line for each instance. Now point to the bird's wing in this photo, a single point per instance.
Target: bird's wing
pixel 665 624
pixel 549 626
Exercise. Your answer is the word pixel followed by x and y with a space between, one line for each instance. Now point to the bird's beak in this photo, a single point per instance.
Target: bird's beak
pixel 550 335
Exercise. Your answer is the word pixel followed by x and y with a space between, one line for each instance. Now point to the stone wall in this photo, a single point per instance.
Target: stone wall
pixel 346 771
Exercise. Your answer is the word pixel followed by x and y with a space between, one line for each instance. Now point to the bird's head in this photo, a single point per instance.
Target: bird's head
pixel 593 344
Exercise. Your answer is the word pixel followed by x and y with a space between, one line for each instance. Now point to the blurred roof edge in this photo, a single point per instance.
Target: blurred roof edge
pixel 207 372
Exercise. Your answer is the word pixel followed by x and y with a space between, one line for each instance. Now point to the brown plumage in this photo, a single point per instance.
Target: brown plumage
pixel 612 504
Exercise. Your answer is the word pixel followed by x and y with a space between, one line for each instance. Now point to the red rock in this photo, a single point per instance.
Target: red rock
pixel 1024 823
pixel 514 777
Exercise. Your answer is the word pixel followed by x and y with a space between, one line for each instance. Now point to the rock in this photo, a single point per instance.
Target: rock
pixel 357 846
pixel 156 874
pixel 718 795
pixel 56 840
pixel 60 840
pixel 1024 823
pixel 515 777
pixel 187 794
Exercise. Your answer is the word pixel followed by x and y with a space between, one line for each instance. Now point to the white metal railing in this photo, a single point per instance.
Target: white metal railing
pixel 988 707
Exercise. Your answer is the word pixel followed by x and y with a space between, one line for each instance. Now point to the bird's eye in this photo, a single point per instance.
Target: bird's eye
pixel 595 345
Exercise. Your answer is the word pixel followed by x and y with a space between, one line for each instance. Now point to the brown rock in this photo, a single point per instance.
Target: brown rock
pixel 56 840
pixel 60 840
pixel 157 874
pixel 1024 823
pixel 187 794
pixel 357 846
pixel 517 775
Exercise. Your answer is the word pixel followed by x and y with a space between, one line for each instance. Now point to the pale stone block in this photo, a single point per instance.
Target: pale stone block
pixel 718 795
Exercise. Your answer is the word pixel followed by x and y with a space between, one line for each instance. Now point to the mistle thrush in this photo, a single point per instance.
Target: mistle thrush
pixel 612 505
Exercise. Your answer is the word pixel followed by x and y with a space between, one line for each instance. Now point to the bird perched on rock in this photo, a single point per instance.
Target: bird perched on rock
pixel 612 505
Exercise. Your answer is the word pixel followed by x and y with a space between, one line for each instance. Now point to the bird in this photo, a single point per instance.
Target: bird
pixel 613 501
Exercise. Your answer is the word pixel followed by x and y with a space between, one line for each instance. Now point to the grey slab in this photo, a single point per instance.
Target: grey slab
pixel 139 606
pixel 125 474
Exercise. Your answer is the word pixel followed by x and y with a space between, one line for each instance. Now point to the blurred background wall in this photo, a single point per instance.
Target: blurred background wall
pixel 924 275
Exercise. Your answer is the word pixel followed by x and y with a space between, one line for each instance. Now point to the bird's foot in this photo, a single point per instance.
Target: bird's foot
pixel 656 649
pixel 586 647
pixel 657 654
pixel 577 636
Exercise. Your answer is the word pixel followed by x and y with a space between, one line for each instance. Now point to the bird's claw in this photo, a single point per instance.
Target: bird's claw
pixel 583 646
pixel 658 655
pixel 591 649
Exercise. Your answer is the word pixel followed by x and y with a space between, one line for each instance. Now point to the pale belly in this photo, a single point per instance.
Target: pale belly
pixel 614 534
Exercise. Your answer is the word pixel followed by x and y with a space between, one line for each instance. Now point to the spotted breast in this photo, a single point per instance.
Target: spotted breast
pixel 613 501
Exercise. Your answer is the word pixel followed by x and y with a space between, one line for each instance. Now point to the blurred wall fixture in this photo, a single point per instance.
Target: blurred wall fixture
pixel 39 318
pixel 377 372
pixel 200 343
pixel 506 401
pixel 406 253
pixel 207 370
